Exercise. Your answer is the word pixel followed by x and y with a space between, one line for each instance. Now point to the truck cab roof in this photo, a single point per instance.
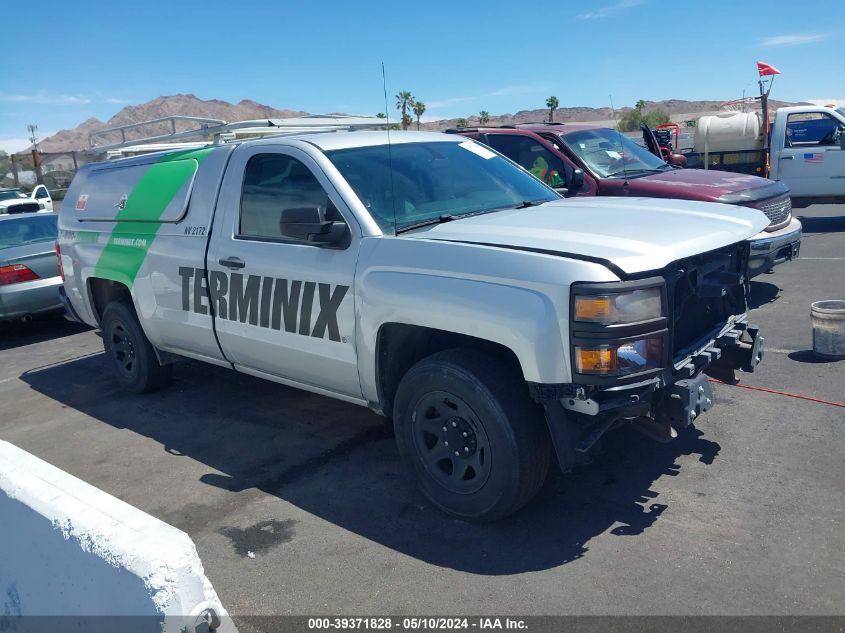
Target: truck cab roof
pixel 328 141
pixel 529 128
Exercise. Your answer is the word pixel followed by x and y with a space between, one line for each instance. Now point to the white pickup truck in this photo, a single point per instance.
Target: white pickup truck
pixel 13 200
pixel 806 150
pixel 811 165
pixel 422 275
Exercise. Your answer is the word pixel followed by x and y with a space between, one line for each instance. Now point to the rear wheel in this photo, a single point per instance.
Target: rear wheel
pixel 131 354
pixel 470 433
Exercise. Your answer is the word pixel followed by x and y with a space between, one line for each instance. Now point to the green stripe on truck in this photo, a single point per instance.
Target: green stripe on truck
pixel 130 240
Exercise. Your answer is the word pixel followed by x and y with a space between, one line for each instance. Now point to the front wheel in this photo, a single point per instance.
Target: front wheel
pixel 470 433
pixel 132 355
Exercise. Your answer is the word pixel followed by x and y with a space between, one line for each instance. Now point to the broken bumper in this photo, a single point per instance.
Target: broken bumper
pixel 578 415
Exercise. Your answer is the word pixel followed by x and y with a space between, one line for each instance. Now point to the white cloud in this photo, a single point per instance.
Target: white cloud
pixel 42 97
pixel 499 92
pixel 45 98
pixel 838 103
pixel 69 100
pixel 610 10
pixel 12 144
pixel 516 90
pixel 445 103
pixel 794 39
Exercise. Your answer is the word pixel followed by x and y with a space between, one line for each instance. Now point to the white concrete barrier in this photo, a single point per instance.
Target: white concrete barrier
pixel 69 549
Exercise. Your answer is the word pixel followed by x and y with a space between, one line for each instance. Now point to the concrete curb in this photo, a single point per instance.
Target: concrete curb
pixel 70 549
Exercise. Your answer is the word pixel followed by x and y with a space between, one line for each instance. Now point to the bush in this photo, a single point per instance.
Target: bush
pixel 631 120
pixel 655 118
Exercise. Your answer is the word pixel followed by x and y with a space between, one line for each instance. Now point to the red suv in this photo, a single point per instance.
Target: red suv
pixel 589 160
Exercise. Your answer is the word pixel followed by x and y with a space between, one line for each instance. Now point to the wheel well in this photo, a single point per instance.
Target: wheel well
pixel 400 346
pixel 103 292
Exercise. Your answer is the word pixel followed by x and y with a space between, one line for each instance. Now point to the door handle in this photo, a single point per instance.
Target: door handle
pixel 787 157
pixel 232 262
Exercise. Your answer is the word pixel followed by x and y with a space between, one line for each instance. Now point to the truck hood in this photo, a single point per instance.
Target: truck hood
pixel 701 184
pixel 631 234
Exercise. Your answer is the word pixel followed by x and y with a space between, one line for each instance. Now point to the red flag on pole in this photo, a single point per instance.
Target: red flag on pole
pixel 766 69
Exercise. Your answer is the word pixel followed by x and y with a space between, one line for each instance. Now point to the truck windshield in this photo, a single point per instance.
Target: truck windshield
pixel 413 183
pixel 608 153
pixel 27 230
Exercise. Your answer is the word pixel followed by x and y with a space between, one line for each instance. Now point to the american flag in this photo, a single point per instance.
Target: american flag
pixel 814 157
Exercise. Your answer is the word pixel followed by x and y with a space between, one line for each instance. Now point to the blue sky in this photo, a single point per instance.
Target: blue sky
pixel 92 58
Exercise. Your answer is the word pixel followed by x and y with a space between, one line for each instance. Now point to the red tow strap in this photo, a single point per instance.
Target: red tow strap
pixel 784 393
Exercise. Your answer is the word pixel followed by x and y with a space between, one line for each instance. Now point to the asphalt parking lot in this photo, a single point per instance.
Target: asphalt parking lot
pixel 744 515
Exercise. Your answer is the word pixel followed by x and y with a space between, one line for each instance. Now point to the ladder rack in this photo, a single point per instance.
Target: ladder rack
pixel 219 131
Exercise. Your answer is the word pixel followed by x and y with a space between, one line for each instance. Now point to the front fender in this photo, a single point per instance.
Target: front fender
pixel 524 321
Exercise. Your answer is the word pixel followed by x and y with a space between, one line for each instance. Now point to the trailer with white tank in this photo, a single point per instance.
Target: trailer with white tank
pixel 805 150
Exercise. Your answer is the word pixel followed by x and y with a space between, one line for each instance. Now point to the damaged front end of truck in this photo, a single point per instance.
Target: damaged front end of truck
pixel 643 351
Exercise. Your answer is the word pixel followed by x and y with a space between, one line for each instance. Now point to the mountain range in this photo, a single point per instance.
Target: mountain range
pixel 180 104
pixel 190 105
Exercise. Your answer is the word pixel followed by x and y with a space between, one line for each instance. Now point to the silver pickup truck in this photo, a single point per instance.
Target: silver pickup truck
pixel 422 275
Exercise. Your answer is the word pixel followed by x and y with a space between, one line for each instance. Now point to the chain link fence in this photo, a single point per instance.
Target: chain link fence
pixel 55 170
pixel 24 170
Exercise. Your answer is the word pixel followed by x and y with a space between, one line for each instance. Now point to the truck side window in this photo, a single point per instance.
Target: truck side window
pixel 531 155
pixel 808 129
pixel 272 183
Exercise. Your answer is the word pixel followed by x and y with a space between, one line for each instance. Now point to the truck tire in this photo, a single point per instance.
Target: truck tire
pixel 468 430
pixel 132 355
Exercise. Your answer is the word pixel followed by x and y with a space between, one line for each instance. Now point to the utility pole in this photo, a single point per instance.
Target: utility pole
pixel 36 161
pixel 15 179
pixel 764 107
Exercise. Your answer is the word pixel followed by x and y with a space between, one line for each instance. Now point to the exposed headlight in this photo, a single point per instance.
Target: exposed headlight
pixel 620 308
pixel 620 359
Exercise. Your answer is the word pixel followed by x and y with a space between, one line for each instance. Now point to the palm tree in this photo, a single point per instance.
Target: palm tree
pixel 462 122
pixel 381 115
pixel 552 103
pixel 483 118
pixel 419 108
pixel 640 105
pixel 404 100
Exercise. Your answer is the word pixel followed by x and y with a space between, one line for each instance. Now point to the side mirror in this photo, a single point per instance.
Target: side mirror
pixel 677 160
pixel 306 224
pixel 576 182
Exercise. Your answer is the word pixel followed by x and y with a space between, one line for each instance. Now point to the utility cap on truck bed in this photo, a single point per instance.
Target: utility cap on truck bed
pixel 217 130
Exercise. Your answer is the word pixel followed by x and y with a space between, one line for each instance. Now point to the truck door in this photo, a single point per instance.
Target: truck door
pixel 812 167
pixel 41 195
pixel 283 308
pixel 535 157
pixel 650 141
